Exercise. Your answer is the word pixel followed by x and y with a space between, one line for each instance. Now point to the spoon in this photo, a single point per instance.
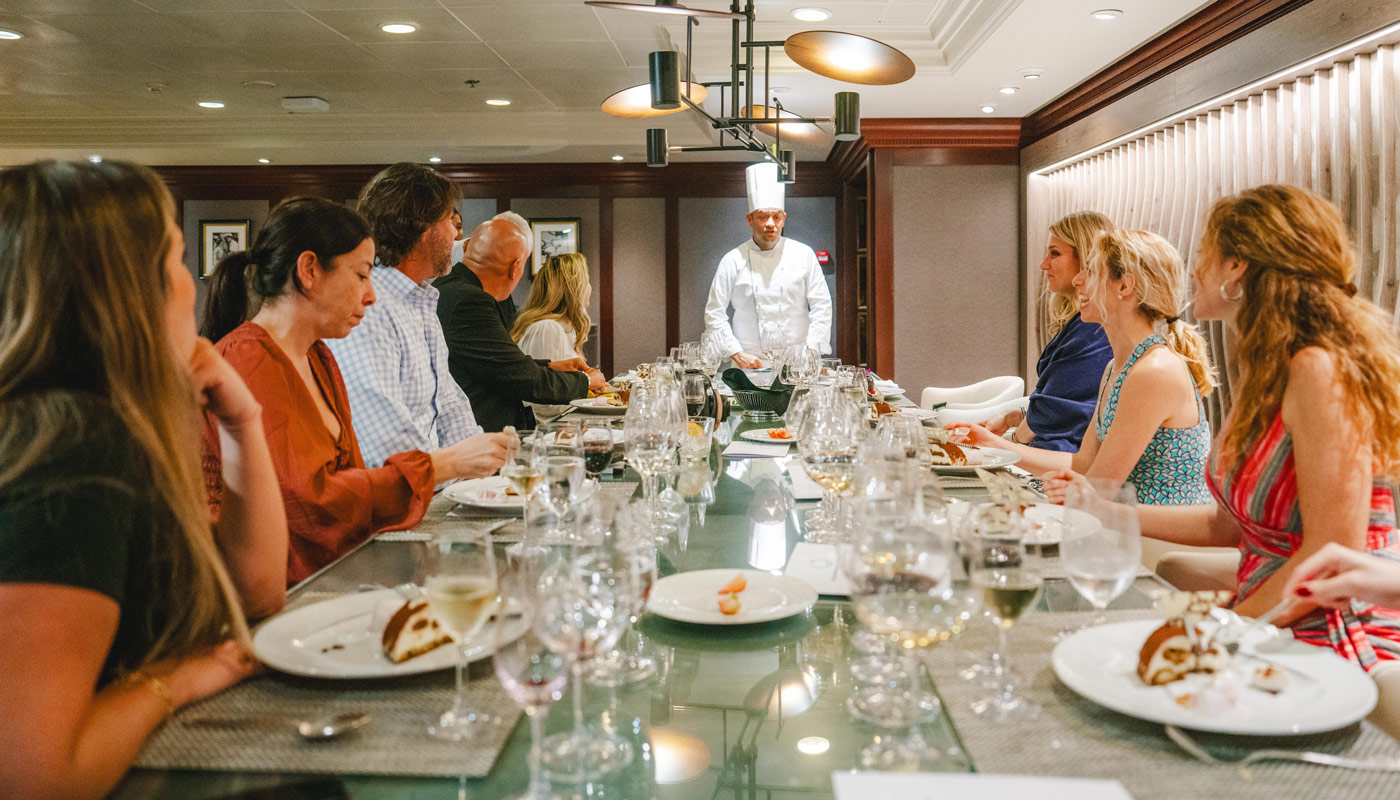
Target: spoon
pixel 332 727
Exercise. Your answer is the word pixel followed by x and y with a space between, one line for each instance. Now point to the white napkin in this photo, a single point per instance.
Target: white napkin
pixel 747 449
pixel 803 487
pixel 946 786
pixel 819 565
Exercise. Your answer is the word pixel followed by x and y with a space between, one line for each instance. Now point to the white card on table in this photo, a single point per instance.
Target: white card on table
pixel 746 449
pixel 946 786
pixel 820 566
pixel 803 487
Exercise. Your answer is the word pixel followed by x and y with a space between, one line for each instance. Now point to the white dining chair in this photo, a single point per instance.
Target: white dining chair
pixel 962 413
pixel 982 394
pixel 1386 715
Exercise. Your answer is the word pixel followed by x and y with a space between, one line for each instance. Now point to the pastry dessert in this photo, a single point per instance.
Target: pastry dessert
pixel 1170 655
pixel 413 631
pixel 947 454
pixel 1269 679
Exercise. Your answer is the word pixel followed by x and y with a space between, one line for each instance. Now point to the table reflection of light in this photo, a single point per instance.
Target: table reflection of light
pixel 786 693
pixel 768 545
pixel 813 745
pixel 679 756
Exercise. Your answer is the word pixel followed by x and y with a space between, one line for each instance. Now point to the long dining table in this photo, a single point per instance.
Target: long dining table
pixel 705 725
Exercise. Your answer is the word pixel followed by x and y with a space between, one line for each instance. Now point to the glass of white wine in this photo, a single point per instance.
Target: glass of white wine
pixel 462 591
pixel 1005 566
pixel 828 443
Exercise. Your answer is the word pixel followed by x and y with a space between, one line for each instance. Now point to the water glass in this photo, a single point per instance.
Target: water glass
pixel 699 432
pixel 1101 548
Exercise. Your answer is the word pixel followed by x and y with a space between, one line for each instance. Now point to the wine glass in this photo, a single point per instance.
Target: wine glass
pixel 585 607
pixel 1005 567
pixel 696 389
pixel 533 675
pixel 827 443
pixel 651 436
pixel 771 339
pixel 562 437
pixel 596 440
pixel 630 569
pixel 564 478
pixel 900 436
pixel 461 590
pixel 1101 547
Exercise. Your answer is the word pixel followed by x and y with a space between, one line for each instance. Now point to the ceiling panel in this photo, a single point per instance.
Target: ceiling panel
pixel 562 55
pixel 261 28
pixel 531 23
pixel 76 58
pixel 194 59
pixel 435 55
pixel 569 88
pixel 434 25
pixel 127 29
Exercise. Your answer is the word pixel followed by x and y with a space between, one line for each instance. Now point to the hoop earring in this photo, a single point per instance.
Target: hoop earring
pixel 1228 298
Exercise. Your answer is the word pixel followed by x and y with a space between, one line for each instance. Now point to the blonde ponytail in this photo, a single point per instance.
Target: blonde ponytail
pixel 1186 341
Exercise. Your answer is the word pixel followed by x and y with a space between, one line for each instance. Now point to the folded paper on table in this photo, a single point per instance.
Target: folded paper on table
pixel 819 565
pixel 747 449
pixel 945 786
pixel 803 487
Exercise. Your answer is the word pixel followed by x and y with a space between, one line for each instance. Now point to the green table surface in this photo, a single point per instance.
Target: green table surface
pixel 698 724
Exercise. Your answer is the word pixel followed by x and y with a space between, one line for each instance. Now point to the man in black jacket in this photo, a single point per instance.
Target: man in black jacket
pixel 484 360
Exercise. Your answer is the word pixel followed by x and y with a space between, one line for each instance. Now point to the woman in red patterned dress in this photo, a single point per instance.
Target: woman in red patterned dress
pixel 1312 443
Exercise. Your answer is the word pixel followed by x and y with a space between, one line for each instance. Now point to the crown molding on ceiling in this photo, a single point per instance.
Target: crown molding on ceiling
pixel 931 141
pixel 1207 30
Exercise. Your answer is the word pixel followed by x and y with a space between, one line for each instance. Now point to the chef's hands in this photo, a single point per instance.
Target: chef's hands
pixel 744 360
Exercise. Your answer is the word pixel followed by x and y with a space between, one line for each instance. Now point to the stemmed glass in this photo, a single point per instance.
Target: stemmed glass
pixel 562 437
pixel 1101 548
pixel 461 589
pixel 771 338
pixel 596 441
pixel 630 568
pixel 652 436
pixel 586 603
pixel 564 478
pixel 533 675
pixel 828 441
pixel 1005 566
pixel 525 471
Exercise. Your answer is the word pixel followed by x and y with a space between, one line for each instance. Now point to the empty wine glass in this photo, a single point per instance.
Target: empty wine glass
pixel 533 675
pixel 564 478
pixel 772 339
pixel 1101 548
pixel 461 589
pixel 1005 566
pixel 562 437
pixel 652 435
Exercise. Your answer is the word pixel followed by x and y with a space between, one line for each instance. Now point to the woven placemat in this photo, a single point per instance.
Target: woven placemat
pixel 252 728
pixel 1074 737
pixel 1052 567
pixel 445 514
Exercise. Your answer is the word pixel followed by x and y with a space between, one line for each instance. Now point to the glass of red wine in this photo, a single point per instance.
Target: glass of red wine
pixel 596 436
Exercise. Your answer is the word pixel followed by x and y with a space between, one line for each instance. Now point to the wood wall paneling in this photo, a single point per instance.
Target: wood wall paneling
pixel 673 272
pixel 605 281
pixel 881 287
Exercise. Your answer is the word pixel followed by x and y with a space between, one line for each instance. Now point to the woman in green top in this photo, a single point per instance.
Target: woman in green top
pixel 118 602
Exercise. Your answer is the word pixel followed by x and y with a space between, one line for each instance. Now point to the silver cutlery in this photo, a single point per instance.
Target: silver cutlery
pixel 323 729
pixel 1372 763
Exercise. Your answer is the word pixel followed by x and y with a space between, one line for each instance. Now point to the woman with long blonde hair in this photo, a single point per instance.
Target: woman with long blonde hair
pixel 1057 413
pixel 1309 452
pixel 118 601
pixel 554 324
pixel 1149 423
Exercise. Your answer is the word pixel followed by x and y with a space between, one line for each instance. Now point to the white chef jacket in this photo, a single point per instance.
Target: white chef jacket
pixel 784 285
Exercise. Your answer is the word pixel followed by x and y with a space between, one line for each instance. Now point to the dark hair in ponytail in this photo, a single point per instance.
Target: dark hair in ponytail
pixel 295 226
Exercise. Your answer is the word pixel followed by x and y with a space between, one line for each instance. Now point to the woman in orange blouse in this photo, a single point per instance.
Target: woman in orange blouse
pixel 309 268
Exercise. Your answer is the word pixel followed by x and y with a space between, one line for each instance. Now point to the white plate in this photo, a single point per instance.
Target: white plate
pixel 304 641
pixel 1053 522
pixel 990 458
pixel 597 405
pixel 761 435
pixel 694 597
pixel 485 493
pixel 618 438
pixel 1325 691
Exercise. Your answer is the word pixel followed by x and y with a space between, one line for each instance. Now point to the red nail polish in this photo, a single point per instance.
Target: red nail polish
pixel 1303 591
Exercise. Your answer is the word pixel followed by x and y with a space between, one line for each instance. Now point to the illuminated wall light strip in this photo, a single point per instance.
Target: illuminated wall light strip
pixel 1229 97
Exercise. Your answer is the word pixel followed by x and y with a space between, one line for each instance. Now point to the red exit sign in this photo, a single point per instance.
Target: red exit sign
pixel 823 257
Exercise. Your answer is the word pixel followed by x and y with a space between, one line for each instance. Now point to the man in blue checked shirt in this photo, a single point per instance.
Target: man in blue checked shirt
pixel 394 362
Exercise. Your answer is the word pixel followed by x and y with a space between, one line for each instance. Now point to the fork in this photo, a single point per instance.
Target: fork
pixel 1372 763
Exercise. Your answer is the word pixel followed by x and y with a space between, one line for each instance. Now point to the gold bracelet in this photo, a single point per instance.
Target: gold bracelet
pixel 157 687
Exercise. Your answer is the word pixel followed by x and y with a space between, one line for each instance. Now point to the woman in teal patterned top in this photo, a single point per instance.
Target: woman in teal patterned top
pixel 1149 424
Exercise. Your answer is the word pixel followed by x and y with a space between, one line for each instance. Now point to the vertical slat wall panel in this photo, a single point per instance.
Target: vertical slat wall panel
pixel 1335 132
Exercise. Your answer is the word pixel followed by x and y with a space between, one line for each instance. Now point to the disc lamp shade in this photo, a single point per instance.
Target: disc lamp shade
pixel 847 116
pixel 804 133
pixel 635 102
pixel 848 57
pixel 665 79
pixel 658 148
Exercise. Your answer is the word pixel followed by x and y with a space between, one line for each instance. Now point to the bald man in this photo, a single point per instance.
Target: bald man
pixel 497 377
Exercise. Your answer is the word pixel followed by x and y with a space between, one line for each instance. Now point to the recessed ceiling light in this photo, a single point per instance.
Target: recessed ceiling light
pixel 210 104
pixel 988 108
pixel 811 14
pixel 8 34
pixel 813 745
pixel 95 159
pixel 434 159
pixel 264 161
pixel 1032 74
pixel 498 101
pixel 617 158
pixel 398 27
pixel 1107 13
pixel 779 89
pixel 1009 89
pixel 259 85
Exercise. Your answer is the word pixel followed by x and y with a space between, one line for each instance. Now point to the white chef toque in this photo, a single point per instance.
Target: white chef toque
pixel 764 189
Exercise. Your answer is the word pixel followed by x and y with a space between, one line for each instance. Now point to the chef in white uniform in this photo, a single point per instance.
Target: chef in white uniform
pixel 771 281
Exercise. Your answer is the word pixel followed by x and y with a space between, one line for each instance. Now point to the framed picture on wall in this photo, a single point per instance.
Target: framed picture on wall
pixel 553 237
pixel 218 238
